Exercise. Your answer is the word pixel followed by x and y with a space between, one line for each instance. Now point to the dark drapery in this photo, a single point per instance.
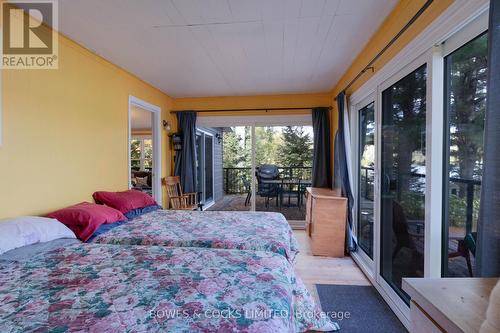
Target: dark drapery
pixel 322 170
pixel 185 160
pixel 342 171
pixel 488 243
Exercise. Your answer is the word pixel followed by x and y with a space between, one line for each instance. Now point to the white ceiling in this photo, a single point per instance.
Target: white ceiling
pixel 141 119
pixel 227 47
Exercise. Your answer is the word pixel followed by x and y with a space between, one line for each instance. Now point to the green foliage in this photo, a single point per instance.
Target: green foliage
pixel 283 146
pixel 135 149
pixel 413 204
pixel 267 145
pixel 232 150
pixel 296 147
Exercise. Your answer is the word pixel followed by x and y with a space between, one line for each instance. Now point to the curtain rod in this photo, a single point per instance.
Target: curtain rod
pixel 388 45
pixel 254 109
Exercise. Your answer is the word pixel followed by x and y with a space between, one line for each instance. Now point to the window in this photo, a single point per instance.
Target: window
pixel 366 174
pixel 465 107
pixel 141 154
pixel 403 179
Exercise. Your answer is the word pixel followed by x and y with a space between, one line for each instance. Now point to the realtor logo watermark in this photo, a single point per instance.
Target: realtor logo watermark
pixel 29 34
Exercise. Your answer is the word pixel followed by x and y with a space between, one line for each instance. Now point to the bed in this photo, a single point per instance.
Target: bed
pixel 74 286
pixel 260 231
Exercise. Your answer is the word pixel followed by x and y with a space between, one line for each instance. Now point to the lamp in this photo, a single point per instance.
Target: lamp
pixel 219 138
pixel 167 126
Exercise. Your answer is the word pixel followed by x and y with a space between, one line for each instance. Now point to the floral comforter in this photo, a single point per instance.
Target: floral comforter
pixel 259 231
pixel 104 288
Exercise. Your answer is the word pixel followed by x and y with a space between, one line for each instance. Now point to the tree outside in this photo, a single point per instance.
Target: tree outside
pixel 289 146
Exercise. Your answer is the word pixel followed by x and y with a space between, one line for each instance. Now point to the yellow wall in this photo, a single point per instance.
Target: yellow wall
pixel 66 131
pixel 258 102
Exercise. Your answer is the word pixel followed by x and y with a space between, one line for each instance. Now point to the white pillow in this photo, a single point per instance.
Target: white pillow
pixel 27 230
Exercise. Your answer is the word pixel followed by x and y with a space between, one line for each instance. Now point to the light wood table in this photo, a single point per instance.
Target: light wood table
pixel 448 304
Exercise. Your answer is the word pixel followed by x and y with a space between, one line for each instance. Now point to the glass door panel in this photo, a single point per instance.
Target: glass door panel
pixel 209 168
pixel 366 177
pixel 283 162
pixel 236 169
pixel 403 180
pixel 199 162
pixel 205 166
pixel 465 93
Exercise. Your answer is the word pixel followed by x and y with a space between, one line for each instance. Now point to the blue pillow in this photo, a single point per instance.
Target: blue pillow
pixel 104 228
pixel 141 211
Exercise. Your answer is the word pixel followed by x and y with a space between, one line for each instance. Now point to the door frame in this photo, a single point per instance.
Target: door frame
pixel 368 262
pixel 203 134
pixel 156 137
pixel 253 122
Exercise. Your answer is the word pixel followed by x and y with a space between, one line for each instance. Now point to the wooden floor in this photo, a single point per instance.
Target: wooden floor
pixel 323 270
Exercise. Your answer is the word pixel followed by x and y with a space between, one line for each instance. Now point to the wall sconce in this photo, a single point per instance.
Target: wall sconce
pixel 219 138
pixel 167 126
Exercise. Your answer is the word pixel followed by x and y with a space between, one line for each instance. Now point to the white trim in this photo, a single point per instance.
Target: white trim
pixel 231 121
pixel 156 136
pixel 475 28
pixel 434 163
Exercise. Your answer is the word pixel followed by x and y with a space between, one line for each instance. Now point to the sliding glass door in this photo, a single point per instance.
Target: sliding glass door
pixel 465 107
pixel 205 166
pixel 260 163
pixel 418 163
pixel 366 178
pixel 403 179
pixel 283 165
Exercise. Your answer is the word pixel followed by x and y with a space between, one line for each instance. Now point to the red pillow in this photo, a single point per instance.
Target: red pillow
pixel 125 201
pixel 85 218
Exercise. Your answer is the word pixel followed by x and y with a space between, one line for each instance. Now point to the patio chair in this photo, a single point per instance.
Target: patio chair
pixel 465 247
pixel 268 190
pixel 178 199
pixel 291 190
pixel 248 189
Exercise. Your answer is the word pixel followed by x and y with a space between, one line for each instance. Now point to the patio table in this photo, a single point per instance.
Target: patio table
pixel 281 183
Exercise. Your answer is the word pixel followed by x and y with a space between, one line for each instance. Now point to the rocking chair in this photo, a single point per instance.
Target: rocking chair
pixel 178 199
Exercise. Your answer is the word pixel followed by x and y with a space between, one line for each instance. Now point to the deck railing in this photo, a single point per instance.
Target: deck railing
pixel 238 180
pixel 367 177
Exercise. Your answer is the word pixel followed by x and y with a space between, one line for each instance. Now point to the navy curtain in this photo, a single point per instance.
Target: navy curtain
pixel 185 160
pixel 488 243
pixel 341 171
pixel 322 155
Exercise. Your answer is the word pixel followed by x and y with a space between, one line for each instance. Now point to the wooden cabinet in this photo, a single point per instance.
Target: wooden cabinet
pixel 454 305
pixel 326 214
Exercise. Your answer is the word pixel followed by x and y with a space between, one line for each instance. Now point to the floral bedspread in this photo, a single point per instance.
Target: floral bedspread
pixel 105 288
pixel 261 231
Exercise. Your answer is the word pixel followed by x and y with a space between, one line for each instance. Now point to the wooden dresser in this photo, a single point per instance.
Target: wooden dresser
pixel 448 304
pixel 326 214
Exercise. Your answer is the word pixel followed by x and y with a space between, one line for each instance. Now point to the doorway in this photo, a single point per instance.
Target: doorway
pixel 144 148
pixel 265 163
